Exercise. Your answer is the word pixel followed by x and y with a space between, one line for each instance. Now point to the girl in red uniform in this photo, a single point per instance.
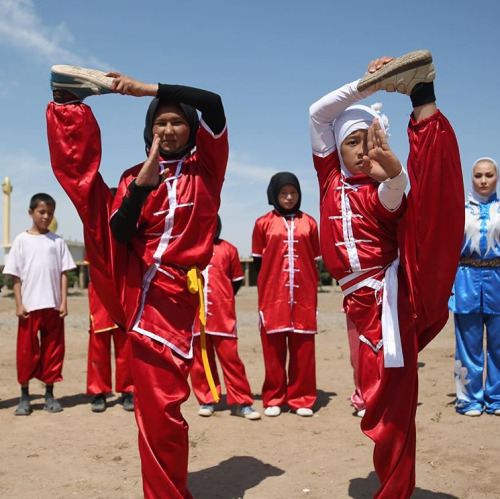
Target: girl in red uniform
pixel 103 331
pixel 285 245
pixel 162 220
pixel 366 222
pixel 222 280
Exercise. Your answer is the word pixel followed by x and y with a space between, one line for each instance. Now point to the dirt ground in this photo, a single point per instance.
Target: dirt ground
pixel 77 453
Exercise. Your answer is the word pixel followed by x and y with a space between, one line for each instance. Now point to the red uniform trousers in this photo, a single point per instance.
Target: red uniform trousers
pixel 160 377
pixel 40 358
pixel 430 240
pixel 99 362
pixel 235 379
pixel 300 388
pixel 353 337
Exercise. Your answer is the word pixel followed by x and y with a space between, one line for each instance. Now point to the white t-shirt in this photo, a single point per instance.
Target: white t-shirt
pixel 39 260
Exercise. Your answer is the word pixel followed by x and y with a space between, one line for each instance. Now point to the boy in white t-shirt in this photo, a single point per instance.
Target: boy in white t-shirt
pixel 38 263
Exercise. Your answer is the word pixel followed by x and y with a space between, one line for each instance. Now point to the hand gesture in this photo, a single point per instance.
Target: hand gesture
pixel 150 176
pixel 127 85
pixel 380 163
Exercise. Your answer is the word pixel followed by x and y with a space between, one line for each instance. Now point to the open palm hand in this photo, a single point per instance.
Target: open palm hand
pixel 380 162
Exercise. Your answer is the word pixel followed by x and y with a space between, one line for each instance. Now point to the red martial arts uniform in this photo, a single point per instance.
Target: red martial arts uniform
pixel 221 334
pixel 102 330
pixel 143 283
pixel 360 239
pixel 287 286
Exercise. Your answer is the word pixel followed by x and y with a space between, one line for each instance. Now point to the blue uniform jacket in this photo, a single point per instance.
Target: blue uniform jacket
pixel 477 289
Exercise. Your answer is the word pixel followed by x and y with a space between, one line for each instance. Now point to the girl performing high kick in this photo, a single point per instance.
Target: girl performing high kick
pixel 144 245
pixel 394 257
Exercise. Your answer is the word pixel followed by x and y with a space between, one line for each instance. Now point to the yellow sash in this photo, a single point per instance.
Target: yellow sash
pixel 195 285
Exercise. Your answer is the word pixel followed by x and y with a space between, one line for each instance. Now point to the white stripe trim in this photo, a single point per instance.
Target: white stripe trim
pixel 153 336
pixel 365 340
pixel 370 282
pixel 290 330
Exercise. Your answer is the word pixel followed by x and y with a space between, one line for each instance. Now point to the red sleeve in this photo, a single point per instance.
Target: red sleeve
pixel 213 152
pixel 315 239
pixel 328 170
pixel 258 239
pixel 236 272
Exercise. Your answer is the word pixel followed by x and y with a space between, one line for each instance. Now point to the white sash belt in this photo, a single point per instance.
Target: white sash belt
pixel 391 336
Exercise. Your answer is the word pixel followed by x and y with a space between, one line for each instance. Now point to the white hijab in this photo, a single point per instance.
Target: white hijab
pixel 473 194
pixel 354 118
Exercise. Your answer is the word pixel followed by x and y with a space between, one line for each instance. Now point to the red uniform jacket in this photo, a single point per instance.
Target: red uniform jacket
pixel 288 278
pixel 224 268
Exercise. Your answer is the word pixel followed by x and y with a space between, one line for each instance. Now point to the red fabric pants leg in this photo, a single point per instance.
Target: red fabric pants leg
pixel 301 389
pixel 40 358
pixel 235 379
pixel 199 382
pixel 75 153
pixel 430 238
pixel 390 396
pixel 99 363
pixel 431 232
pixel 123 357
pixel 274 349
pixel 160 381
pixel 353 338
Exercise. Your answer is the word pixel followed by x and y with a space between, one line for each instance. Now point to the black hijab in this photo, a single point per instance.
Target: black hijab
pixel 218 228
pixel 191 116
pixel 276 183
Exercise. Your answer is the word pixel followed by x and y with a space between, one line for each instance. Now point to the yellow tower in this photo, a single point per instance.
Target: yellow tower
pixel 7 189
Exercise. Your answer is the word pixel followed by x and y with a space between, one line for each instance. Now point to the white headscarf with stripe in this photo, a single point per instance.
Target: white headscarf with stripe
pixel 355 118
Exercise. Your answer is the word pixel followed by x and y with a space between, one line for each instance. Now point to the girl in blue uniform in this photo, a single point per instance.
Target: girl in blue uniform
pixel 475 301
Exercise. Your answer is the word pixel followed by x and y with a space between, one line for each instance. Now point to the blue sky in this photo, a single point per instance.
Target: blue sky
pixel 268 60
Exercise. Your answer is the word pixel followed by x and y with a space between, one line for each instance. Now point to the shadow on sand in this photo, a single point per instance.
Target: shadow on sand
pixel 364 488
pixel 231 478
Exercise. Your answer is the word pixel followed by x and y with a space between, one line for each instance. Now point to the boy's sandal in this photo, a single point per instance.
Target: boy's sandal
pixel 52 405
pixel 23 409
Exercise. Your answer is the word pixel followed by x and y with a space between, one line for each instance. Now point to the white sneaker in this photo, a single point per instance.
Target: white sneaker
pixel 401 75
pixel 248 412
pixel 497 412
pixel 473 413
pixel 305 412
pixel 81 82
pixel 206 410
pixel 360 413
pixel 272 411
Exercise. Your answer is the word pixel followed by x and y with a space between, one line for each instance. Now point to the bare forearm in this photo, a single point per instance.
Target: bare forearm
pixel 17 291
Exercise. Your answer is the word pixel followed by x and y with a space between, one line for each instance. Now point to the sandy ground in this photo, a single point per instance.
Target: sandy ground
pixel 77 453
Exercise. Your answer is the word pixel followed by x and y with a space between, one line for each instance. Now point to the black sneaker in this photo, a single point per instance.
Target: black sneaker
pixel 127 401
pixel 98 403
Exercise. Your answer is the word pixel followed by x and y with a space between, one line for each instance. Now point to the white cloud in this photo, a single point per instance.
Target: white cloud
pixel 239 170
pixel 22 28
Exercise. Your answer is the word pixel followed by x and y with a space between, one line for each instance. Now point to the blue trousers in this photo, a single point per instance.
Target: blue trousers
pixel 474 390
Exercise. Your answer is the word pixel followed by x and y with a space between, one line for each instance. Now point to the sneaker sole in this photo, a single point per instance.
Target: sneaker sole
pixel 205 414
pixel 407 62
pixel 254 416
pixel 75 77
